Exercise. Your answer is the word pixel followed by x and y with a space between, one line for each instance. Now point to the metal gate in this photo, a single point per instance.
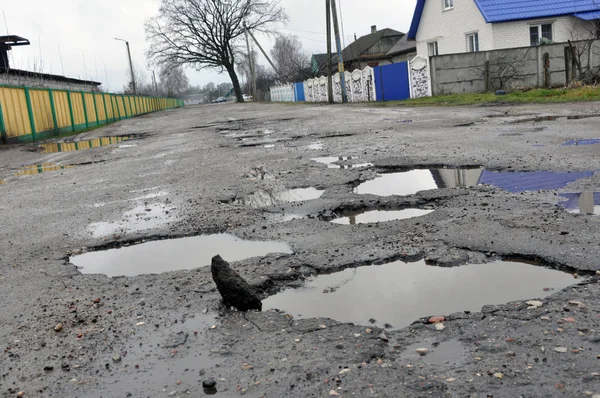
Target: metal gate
pixel 392 82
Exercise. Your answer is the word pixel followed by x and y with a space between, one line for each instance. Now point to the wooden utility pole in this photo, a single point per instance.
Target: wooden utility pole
pixel 267 57
pixel 329 77
pixel 251 61
pixel 338 43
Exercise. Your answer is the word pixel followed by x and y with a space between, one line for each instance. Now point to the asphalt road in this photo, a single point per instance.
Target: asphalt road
pixel 188 172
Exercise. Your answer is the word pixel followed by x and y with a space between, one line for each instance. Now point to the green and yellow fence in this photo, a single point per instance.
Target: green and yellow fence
pixel 30 114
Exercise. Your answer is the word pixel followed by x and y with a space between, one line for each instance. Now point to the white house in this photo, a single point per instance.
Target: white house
pixel 457 26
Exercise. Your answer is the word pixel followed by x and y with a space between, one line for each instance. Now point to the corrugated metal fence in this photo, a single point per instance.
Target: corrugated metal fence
pixel 29 114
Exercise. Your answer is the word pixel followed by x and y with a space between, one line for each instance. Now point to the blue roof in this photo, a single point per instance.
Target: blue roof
pixel 514 10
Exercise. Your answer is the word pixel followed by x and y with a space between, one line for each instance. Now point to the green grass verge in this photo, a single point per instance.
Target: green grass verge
pixel 538 96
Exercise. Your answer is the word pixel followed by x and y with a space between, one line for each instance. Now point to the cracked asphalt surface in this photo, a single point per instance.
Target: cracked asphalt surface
pixel 163 335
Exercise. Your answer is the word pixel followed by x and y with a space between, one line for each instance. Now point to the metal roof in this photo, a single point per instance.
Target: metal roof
pixel 514 10
pixel 13 40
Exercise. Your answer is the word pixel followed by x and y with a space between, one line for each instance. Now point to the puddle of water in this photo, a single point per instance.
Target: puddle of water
pixel 582 202
pixel 447 352
pixel 413 181
pixel 400 293
pixel 317 146
pixel 376 216
pixel 593 141
pixel 139 219
pixel 531 181
pixel 270 146
pixel 174 254
pixel 41 168
pixel 331 160
pixel 267 198
pixel 80 145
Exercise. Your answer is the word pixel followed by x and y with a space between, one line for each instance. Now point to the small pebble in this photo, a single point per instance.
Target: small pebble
pixel 562 350
pixel 422 351
pixel 439 327
pixel 209 383
pixel 58 327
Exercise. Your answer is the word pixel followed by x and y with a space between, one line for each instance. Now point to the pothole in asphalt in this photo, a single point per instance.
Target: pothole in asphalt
pixel 42 168
pixel 54 147
pixel 447 352
pixel 331 161
pixel 266 198
pixel 516 182
pixel 399 293
pixel 173 255
pixel 582 202
pixel 141 218
pixel 375 216
pixel 412 181
pixel 591 141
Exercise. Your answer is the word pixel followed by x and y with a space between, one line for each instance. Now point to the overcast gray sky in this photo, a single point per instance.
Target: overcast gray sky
pixel 85 31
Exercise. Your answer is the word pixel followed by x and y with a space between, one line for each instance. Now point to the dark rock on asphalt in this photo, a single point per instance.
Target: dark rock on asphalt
pixel 233 288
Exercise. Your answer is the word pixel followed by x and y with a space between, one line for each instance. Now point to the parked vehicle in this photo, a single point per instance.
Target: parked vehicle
pixel 220 100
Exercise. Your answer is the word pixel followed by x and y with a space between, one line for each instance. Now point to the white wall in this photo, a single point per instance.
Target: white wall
pixel 516 34
pixel 449 27
pixel 54 84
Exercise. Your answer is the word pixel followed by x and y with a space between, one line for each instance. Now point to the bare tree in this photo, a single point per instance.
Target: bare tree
pixel 206 33
pixel 173 81
pixel 583 35
pixel 141 83
pixel 292 62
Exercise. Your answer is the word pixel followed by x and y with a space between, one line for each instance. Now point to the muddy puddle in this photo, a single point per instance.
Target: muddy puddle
pixel 174 254
pixel 265 198
pixel 42 168
pixel 400 293
pixel 140 218
pixel 81 145
pixel 332 162
pixel 412 181
pixel 375 216
pixel 582 202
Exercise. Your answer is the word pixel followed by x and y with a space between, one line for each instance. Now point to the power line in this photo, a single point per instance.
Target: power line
pixel 307 31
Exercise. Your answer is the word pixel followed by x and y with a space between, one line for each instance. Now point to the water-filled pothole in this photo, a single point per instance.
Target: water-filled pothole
pixel 591 141
pixel 400 293
pixel 375 216
pixel 42 168
pixel 516 182
pixel 331 162
pixel 265 198
pixel 582 202
pixel 412 181
pixel 80 145
pixel 174 254
pixel 447 352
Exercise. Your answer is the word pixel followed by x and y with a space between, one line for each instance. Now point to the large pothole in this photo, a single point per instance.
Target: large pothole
pixel 398 293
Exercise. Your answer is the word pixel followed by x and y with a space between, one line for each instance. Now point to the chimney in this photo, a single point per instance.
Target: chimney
pixel 373 29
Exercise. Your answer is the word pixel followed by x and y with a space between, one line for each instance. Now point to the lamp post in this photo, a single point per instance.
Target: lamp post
pixel 130 65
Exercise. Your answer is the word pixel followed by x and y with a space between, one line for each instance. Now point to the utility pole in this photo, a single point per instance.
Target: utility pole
pixel 155 84
pixel 338 43
pixel 329 77
pixel 266 56
pixel 130 65
pixel 251 60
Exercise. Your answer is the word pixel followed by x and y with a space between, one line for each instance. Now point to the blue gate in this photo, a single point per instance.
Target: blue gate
pixel 299 92
pixel 391 82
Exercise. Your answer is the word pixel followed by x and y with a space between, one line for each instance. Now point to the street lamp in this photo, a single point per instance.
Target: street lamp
pixel 130 65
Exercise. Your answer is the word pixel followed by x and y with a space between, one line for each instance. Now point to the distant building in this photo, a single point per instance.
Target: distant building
pixel 370 50
pixel 319 64
pixel 18 77
pixel 194 99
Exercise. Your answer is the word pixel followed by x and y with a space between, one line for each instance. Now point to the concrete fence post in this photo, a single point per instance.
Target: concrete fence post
pixel 546 70
pixel 432 76
pixel 3 135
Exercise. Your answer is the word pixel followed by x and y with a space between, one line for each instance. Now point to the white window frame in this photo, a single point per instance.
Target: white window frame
pixel 472 38
pixel 539 25
pixel 433 45
pixel 447 5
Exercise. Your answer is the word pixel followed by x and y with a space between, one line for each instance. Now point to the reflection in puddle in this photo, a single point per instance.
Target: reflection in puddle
pixel 174 254
pixel 582 202
pixel 376 216
pixel 79 145
pixel 138 219
pixel 447 352
pixel 266 198
pixel 331 160
pixel 317 146
pixel 594 141
pixel 41 168
pixel 399 293
pixel 531 181
pixel 413 181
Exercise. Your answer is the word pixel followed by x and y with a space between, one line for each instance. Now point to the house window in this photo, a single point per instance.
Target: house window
pixel 448 4
pixel 473 42
pixel 432 48
pixel 540 33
